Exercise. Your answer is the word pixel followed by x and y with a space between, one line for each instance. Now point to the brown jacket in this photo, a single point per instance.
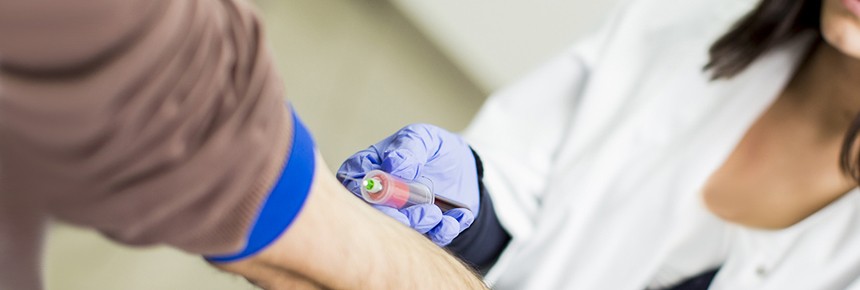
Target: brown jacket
pixel 152 121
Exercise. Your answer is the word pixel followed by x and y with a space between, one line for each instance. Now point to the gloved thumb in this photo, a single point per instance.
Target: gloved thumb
pixel 409 150
pixel 404 163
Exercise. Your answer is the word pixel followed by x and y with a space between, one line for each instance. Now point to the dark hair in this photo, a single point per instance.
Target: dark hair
pixel 770 24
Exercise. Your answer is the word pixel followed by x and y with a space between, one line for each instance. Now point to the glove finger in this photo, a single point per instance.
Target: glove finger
pixel 464 217
pixel 411 148
pixel 423 217
pixel 445 232
pixel 393 213
pixel 405 163
pixel 355 167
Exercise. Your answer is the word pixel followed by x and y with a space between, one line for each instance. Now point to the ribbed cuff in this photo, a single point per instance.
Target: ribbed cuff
pixel 286 198
pixel 481 244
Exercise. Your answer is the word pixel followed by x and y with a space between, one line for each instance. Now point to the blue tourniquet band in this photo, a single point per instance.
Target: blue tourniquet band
pixel 286 199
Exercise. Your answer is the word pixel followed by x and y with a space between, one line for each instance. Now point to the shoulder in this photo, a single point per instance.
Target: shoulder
pixel 692 14
pixel 643 24
pixel 647 37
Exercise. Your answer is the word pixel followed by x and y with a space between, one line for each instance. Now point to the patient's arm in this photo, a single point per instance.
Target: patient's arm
pixel 163 122
pixel 339 242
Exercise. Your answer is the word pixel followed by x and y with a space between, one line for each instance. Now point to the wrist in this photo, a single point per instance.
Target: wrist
pixel 479 166
pixel 481 244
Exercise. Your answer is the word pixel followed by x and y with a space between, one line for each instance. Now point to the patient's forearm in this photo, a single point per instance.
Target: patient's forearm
pixel 339 242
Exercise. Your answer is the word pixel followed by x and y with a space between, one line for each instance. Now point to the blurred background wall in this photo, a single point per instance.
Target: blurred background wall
pixel 356 70
pixel 494 42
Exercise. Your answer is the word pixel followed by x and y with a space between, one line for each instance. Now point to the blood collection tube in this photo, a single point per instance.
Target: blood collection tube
pixel 378 187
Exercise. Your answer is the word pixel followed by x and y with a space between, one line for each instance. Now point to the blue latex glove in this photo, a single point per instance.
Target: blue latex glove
pixel 434 157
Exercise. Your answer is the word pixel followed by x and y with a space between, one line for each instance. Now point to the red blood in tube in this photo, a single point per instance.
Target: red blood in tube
pixel 399 191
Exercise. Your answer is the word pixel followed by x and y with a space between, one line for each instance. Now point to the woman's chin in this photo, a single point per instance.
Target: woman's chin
pixel 841 29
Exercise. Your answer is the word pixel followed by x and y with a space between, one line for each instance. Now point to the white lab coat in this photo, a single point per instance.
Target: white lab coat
pixel 596 161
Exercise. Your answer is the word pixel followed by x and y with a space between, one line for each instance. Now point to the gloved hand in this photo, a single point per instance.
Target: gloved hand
pixel 434 157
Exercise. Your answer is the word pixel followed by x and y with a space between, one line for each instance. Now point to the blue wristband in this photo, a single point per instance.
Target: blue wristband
pixel 286 198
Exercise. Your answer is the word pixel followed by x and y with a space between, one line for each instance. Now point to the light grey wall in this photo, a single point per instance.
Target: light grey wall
pixel 496 41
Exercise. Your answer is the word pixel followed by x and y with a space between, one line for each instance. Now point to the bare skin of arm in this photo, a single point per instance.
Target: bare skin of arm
pixel 339 242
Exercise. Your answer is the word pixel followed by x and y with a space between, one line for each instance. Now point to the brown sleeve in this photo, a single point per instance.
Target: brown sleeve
pixel 152 121
pixel 21 232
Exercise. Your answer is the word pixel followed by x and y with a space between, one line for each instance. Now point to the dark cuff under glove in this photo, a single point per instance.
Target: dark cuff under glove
pixel 481 244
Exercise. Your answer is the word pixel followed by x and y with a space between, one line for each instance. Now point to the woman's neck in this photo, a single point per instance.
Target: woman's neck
pixel 828 86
